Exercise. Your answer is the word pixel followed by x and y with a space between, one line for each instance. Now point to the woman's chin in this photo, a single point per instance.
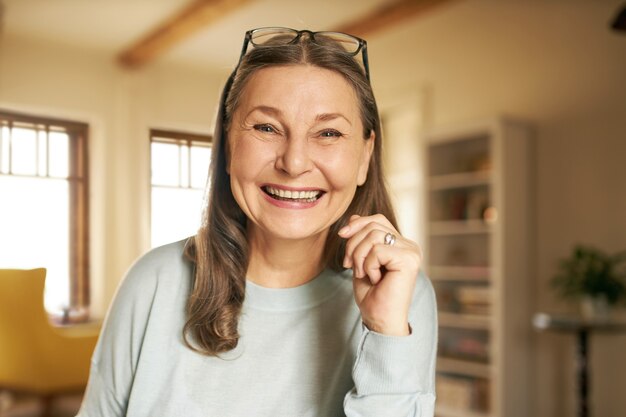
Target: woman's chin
pixel 294 233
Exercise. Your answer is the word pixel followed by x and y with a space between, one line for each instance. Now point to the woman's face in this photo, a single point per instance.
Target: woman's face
pixel 296 150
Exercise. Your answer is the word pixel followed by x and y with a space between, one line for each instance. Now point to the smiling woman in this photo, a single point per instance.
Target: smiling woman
pixel 298 296
pixel 282 139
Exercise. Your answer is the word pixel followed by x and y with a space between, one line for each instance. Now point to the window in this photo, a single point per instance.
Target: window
pixel 180 165
pixel 43 204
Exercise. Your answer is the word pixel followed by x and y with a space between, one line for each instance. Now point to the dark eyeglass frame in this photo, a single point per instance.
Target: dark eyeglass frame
pixel 362 43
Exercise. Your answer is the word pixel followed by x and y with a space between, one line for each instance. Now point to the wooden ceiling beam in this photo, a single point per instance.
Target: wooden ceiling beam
pixel 389 15
pixel 193 17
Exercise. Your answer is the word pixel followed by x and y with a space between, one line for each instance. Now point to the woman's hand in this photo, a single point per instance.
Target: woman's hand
pixel 384 274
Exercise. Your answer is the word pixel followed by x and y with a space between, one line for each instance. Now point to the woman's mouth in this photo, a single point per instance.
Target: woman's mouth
pixel 301 196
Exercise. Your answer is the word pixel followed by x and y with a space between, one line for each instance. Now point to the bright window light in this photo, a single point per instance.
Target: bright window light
pixel 180 166
pixel 34 207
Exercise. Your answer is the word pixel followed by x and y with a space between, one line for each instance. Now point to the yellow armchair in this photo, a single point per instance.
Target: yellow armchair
pixel 36 357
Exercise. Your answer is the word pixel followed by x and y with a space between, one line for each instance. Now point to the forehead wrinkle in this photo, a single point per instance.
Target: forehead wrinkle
pixel 299 111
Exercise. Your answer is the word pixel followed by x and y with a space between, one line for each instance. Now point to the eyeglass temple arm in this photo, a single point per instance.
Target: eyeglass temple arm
pixel 231 78
pixel 366 64
pixel 244 49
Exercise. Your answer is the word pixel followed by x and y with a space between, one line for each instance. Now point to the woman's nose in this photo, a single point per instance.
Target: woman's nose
pixel 294 157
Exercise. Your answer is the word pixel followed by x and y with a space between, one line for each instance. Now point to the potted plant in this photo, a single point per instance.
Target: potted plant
pixel 594 277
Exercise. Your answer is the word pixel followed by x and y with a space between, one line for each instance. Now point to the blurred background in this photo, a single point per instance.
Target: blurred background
pixel 504 140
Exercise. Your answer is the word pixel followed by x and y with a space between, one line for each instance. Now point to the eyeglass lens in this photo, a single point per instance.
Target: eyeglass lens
pixel 272 36
pixel 283 36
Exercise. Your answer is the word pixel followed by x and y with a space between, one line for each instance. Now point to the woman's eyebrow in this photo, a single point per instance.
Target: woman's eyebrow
pixel 269 110
pixel 331 116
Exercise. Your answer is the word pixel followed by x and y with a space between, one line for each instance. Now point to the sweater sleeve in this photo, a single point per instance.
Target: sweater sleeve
pixel 395 376
pixel 117 353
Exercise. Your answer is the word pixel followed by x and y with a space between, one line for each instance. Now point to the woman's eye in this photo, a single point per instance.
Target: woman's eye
pixel 265 128
pixel 331 134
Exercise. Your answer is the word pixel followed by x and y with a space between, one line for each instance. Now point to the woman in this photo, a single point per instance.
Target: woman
pixel 298 296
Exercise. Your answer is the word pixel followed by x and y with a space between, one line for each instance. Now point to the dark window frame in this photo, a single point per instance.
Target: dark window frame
pixel 185 180
pixel 179 138
pixel 78 180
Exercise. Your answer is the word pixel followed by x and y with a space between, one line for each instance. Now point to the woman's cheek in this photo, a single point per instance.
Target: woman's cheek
pixel 341 168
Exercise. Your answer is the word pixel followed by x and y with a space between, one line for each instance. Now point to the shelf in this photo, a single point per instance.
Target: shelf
pixel 459 227
pixel 443 411
pixel 478 223
pixel 460 180
pixel 464 321
pixel 460 273
pixel 463 367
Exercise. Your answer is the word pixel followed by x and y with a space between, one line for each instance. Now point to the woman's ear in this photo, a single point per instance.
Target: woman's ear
pixel 366 156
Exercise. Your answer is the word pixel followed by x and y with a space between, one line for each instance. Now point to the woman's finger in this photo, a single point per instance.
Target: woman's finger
pixel 367 242
pixel 373 263
pixel 353 231
pixel 372 234
pixel 405 259
pixel 357 222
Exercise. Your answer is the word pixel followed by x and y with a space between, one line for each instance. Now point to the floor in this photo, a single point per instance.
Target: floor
pixel 12 405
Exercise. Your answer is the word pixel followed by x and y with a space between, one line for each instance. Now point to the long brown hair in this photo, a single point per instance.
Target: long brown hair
pixel 220 249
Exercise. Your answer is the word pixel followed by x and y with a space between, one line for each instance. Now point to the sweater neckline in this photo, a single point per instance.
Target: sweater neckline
pixel 304 296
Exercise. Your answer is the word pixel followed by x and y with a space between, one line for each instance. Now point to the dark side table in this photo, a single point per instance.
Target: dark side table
pixel 582 329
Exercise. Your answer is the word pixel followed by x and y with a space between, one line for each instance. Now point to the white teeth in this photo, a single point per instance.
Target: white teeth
pixel 293 195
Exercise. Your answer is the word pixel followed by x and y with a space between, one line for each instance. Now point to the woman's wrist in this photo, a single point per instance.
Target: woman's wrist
pixel 389 329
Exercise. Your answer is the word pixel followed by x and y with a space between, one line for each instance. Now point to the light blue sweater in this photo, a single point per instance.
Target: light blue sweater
pixel 303 352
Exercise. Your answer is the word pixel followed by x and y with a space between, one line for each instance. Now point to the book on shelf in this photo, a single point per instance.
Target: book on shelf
pixel 458 204
pixel 474 300
pixel 454 392
pixel 463 299
pixel 464 344
pixel 462 393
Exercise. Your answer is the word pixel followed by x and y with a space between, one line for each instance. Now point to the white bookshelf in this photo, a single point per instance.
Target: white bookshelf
pixel 478 254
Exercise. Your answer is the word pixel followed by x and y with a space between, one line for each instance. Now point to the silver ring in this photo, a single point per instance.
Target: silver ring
pixel 390 239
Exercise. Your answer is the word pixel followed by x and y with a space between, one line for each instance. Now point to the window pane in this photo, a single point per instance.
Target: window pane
pixel 59 154
pixel 176 214
pixel 200 160
pixel 165 164
pixel 23 151
pixel 35 231
pixel 43 154
pixel 184 166
pixel 179 173
pixel 4 150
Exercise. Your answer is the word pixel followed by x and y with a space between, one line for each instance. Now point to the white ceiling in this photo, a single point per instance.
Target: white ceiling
pixel 113 25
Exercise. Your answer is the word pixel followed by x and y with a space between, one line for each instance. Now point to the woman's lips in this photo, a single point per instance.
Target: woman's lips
pixel 292 197
pixel 292 194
